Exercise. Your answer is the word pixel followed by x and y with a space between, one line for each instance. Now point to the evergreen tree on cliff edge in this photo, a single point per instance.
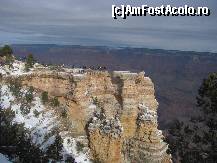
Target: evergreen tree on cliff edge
pixel 196 141
pixel 30 61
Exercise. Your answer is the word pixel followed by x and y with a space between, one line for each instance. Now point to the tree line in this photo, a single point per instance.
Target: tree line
pixel 195 140
pixel 6 52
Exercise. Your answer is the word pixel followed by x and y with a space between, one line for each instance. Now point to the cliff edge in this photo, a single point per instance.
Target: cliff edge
pixel 117 111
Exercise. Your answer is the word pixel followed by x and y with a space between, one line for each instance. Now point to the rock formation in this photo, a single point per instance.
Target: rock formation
pixel 116 111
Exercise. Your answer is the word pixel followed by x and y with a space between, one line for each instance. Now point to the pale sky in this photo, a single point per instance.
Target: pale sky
pixel 90 22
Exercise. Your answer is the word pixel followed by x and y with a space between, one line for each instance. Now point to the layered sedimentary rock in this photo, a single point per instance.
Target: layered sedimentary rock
pixel 105 138
pixel 117 112
pixel 147 144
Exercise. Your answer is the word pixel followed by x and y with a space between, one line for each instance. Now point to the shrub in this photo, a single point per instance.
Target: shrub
pixel 44 97
pixel 64 113
pixel 68 141
pixel 9 60
pixel 55 102
pixel 70 159
pixel 95 100
pixel 25 109
pixel 48 135
pixel 6 50
pixel 79 146
pixel 15 87
pixel 36 113
pixel 29 95
pixel 54 150
pixel 30 61
pixel 16 142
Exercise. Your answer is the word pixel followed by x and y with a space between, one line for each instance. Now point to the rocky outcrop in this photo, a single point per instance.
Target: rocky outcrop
pixel 117 112
pixel 105 138
pixel 147 144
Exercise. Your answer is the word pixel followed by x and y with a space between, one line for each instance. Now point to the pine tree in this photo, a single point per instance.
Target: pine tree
pixel 54 150
pixel 29 95
pixel 6 50
pixel 44 97
pixel 15 140
pixel 55 102
pixel 207 102
pixel 9 60
pixel 30 61
pixel 15 87
pixel 195 141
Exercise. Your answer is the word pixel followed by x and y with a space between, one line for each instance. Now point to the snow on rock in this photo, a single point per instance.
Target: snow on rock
pixel 6 97
pixel 17 69
pixel 3 159
pixel 146 114
pixel 40 126
pixel 110 126
pixel 44 122
pixel 69 148
pixel 78 75
pixel 92 106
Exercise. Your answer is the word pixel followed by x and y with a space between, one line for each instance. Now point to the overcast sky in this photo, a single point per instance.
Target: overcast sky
pixel 90 22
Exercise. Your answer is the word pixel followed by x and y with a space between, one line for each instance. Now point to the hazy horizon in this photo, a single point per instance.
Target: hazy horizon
pixel 106 46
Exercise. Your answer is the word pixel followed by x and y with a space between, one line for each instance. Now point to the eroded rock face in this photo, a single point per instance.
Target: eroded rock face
pixel 147 144
pixel 117 112
pixel 105 138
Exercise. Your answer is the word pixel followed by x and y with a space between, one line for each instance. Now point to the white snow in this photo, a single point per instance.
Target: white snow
pixel 77 70
pixel 6 97
pixel 17 69
pixel 69 148
pixel 86 92
pixel 40 127
pixel 121 71
pixel 3 159
pixel 147 114
pixel 78 75
pixel 92 106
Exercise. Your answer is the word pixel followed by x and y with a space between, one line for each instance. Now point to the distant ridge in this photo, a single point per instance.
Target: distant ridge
pixel 149 50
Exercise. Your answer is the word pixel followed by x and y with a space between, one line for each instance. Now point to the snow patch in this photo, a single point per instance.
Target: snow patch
pixel 3 159
pixel 40 127
pixel 17 69
pixel 69 148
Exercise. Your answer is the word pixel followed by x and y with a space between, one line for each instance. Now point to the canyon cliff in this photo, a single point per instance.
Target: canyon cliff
pixel 116 111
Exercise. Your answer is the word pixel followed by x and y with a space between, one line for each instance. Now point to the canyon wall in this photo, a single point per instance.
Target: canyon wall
pixel 116 111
